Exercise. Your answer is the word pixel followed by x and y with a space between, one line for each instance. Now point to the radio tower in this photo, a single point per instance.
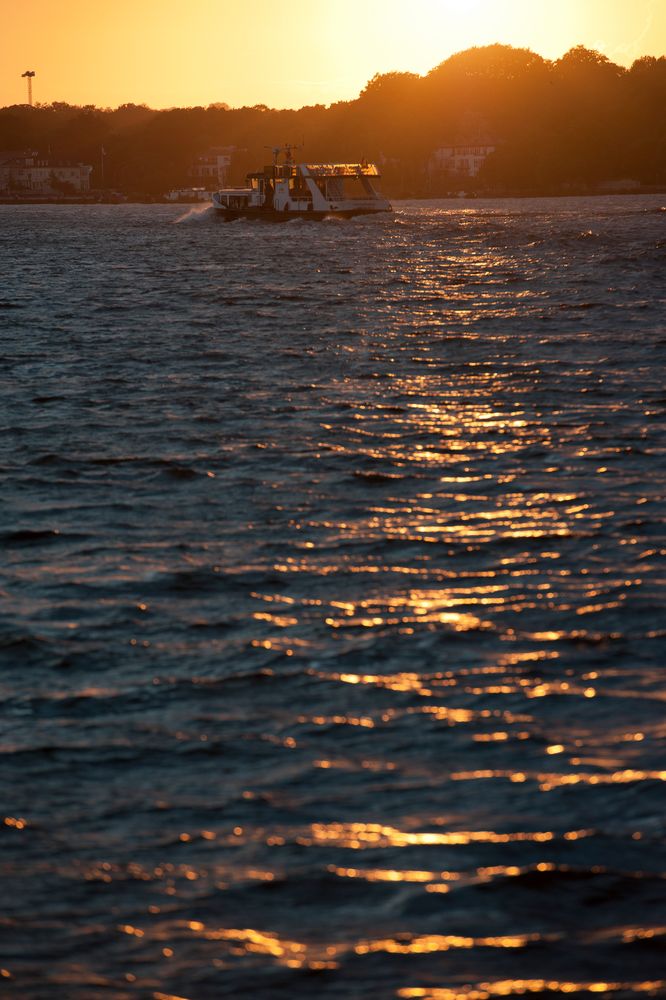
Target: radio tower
pixel 29 73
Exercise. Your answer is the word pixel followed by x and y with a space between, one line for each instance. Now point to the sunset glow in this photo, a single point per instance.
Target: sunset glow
pixel 164 54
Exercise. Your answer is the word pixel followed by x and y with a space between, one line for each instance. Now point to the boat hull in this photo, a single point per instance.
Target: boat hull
pixel 271 215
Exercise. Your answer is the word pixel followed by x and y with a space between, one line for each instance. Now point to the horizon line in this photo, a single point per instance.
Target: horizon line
pixel 225 106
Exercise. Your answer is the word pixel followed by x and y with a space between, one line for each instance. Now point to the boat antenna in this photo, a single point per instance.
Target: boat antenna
pixel 287 149
pixel 289 153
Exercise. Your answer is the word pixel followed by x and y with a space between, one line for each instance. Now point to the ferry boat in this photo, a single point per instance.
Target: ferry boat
pixel 310 190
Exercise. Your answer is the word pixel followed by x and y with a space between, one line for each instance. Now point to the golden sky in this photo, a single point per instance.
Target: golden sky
pixel 285 54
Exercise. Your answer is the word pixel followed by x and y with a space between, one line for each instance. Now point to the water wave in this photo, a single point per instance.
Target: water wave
pixel 332 561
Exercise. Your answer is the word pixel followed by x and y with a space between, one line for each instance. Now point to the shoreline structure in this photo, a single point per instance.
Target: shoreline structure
pixel 578 192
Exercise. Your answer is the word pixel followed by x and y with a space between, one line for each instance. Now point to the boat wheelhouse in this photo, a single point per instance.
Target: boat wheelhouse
pixel 313 190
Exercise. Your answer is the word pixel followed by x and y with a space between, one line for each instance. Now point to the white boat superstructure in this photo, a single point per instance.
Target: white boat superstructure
pixel 315 190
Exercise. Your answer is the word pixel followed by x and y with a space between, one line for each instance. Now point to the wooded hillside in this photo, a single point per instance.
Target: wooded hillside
pixel 570 124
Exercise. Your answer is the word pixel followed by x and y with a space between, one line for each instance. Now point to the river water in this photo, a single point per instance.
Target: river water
pixel 332 603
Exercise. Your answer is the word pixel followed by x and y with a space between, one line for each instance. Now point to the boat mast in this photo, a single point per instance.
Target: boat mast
pixel 287 149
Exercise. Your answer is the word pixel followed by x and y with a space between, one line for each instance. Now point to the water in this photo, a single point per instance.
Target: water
pixel 332 603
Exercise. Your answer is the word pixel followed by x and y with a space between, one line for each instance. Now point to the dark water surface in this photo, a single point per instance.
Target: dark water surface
pixel 332 620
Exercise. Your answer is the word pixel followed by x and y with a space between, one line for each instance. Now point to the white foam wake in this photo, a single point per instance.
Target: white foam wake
pixel 196 213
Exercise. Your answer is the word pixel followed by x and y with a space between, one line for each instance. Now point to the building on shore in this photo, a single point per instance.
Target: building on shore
pixel 463 157
pixel 190 194
pixel 210 169
pixel 207 172
pixel 25 174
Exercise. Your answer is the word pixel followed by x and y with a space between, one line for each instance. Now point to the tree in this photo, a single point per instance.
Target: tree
pixel 568 124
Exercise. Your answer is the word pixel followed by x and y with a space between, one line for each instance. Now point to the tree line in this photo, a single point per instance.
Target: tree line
pixel 570 124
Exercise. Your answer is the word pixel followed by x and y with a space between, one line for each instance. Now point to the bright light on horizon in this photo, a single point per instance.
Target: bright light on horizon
pixel 163 54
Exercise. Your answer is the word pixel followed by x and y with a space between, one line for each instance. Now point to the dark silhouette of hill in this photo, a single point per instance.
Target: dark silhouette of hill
pixel 566 125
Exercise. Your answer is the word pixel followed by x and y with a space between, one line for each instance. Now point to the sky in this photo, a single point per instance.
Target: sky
pixel 168 53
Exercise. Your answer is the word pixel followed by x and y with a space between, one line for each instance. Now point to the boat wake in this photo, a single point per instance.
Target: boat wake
pixel 196 213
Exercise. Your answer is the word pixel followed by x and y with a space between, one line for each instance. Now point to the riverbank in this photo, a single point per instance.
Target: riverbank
pixel 117 198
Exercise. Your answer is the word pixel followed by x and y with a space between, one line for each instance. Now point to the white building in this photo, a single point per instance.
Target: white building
pixel 188 194
pixel 463 159
pixel 29 173
pixel 209 169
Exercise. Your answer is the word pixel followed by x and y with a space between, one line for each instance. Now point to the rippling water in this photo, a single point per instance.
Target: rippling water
pixel 332 626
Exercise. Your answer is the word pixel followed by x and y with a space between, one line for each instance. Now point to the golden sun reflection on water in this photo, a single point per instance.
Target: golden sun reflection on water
pixel 296 954
pixel 383 695
pixel 435 881
pixel 522 987
pixel 363 835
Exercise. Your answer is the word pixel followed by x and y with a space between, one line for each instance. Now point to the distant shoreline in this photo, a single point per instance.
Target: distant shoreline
pixel 471 196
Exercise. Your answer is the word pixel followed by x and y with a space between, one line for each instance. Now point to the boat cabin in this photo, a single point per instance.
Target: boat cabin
pixel 306 188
